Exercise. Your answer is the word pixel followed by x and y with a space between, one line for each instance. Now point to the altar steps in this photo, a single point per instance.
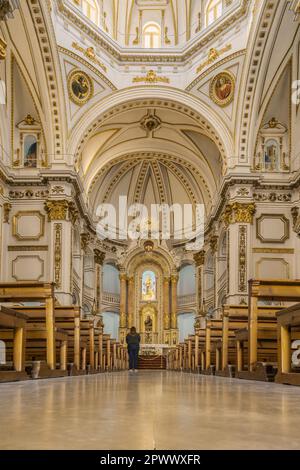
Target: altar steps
pixel 152 363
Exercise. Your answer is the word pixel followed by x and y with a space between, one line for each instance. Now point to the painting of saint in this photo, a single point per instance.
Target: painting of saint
pixel 80 87
pixel 222 88
pixel 30 151
pixel 148 286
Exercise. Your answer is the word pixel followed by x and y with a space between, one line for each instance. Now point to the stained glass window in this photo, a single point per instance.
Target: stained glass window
pixel 149 286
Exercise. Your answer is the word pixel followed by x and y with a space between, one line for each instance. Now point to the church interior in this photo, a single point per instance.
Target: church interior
pixel 108 109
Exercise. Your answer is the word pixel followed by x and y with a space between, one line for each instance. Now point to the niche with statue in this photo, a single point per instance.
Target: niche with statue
pixel 272 151
pixel 30 153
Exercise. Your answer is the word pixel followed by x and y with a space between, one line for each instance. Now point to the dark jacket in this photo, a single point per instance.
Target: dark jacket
pixel 133 340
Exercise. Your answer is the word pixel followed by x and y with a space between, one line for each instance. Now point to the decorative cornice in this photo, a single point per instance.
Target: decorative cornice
pixel 165 56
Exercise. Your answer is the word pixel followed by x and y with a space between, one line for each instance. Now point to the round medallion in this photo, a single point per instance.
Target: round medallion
pixel 222 88
pixel 80 87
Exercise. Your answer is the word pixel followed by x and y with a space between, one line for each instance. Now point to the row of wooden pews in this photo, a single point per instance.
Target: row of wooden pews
pixel 254 342
pixel 49 340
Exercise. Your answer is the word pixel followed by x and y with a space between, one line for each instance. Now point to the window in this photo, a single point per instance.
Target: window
pixel 89 8
pixel 148 286
pixel 214 11
pixel 152 36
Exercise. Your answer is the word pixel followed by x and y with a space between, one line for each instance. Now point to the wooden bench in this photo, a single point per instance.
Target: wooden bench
pixel 35 292
pixel 213 332
pixel 67 319
pixel 288 331
pixel 261 338
pixel 16 322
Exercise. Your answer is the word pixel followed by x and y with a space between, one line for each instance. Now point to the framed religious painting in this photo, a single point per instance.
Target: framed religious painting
pixel 80 87
pixel 222 88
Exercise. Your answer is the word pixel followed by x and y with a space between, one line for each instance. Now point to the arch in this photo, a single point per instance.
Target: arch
pixel 152 35
pixel 118 101
pixel 159 257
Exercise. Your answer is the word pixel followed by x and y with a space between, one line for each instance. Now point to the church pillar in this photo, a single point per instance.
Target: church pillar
pixel 61 215
pixel 166 296
pixel 174 330
pixel 199 259
pixel 239 218
pixel 99 258
pixel 123 304
pixel 130 302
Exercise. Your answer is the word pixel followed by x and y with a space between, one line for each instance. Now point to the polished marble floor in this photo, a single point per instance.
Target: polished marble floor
pixel 149 410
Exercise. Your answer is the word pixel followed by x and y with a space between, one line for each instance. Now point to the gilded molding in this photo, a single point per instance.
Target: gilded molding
pixel 242 258
pixel 14 248
pixel 57 254
pixel 6 212
pixel 15 225
pixel 3 47
pixel 151 78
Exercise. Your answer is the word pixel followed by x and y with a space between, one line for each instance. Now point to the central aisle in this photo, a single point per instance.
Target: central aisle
pixel 161 410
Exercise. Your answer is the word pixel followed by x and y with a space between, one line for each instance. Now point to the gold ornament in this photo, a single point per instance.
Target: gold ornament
pixel 3 46
pixel 80 87
pixel 57 210
pixel 151 78
pixel 239 213
pixel 222 88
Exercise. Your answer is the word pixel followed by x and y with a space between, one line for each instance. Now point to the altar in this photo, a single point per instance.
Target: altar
pixel 154 349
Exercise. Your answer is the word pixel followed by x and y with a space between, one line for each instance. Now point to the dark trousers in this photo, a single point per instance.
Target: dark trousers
pixel 133 357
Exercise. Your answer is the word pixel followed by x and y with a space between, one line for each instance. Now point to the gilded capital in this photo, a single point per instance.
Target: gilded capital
pixel 174 278
pixel 239 213
pixel 57 210
pixel 123 277
pixel 213 243
pixel 199 258
pixel 99 257
pixel 84 240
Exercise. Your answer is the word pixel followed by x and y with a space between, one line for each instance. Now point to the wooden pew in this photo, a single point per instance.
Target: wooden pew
pixel 16 322
pixel 213 332
pixel 35 292
pixel 67 319
pixel 288 331
pixel 234 317
pixel 261 335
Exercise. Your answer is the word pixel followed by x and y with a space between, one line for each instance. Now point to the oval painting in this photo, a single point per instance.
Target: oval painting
pixel 222 88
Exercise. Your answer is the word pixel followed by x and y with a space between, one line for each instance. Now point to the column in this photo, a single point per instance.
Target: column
pixel 174 331
pixel 131 296
pixel 199 259
pixel 62 213
pixel 239 219
pixel 166 303
pixel 123 302
pixel 99 258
